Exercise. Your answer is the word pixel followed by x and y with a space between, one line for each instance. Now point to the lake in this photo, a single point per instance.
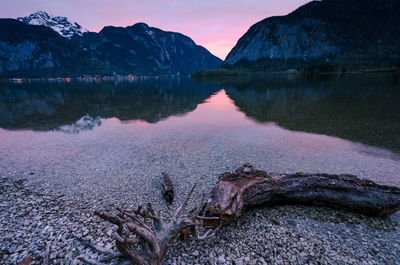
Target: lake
pixel 104 144
pixel 111 138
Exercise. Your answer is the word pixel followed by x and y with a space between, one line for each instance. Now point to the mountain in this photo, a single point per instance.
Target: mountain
pixel 61 25
pixel 350 33
pixel 142 49
pixel 27 50
pixel 42 45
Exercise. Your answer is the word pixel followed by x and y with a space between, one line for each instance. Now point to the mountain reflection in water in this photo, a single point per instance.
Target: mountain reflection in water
pixel 360 108
pixel 47 106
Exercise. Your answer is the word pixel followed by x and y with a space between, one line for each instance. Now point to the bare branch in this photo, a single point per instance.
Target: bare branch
pixel 207 218
pixel 133 257
pixel 168 212
pixel 147 213
pixel 182 208
pixel 148 236
pixel 122 240
pixel 197 211
pixel 135 218
pixel 209 233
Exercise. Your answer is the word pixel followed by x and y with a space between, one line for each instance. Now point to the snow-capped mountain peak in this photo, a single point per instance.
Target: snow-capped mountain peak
pixel 61 25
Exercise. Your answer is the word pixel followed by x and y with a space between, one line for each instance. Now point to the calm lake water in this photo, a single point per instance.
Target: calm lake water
pixel 112 138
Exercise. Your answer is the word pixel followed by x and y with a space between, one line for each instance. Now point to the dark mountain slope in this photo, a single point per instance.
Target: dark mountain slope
pixel 27 50
pixel 38 50
pixel 336 32
pixel 145 50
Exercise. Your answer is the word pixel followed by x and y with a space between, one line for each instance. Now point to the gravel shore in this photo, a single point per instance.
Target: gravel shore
pixel 29 220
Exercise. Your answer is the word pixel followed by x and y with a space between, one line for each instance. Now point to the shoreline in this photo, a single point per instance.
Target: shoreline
pixel 225 73
pixel 281 235
pixel 210 73
pixel 87 78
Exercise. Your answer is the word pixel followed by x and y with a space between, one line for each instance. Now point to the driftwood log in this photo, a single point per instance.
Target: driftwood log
pixel 167 188
pixel 247 187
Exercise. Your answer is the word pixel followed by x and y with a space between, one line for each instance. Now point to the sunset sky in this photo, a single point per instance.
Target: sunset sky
pixel 215 24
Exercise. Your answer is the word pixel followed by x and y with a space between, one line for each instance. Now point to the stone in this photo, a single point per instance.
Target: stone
pixel 221 259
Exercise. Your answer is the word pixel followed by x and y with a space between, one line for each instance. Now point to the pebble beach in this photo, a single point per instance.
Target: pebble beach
pixel 31 220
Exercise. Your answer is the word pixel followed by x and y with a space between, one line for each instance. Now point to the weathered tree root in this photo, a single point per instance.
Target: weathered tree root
pixel 143 242
pixel 247 187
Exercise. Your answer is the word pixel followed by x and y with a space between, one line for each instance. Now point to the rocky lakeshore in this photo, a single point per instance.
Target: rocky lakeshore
pixel 30 220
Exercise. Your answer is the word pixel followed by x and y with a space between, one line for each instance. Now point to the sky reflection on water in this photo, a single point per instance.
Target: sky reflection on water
pixel 191 129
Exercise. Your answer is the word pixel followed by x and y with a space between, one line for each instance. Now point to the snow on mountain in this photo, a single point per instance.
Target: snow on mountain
pixel 61 25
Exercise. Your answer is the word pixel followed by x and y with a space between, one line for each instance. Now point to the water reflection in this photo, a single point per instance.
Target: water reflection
pixel 362 108
pixel 224 125
pixel 71 107
pixel 85 123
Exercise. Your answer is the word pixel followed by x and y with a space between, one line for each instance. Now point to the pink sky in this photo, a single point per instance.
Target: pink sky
pixel 215 24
